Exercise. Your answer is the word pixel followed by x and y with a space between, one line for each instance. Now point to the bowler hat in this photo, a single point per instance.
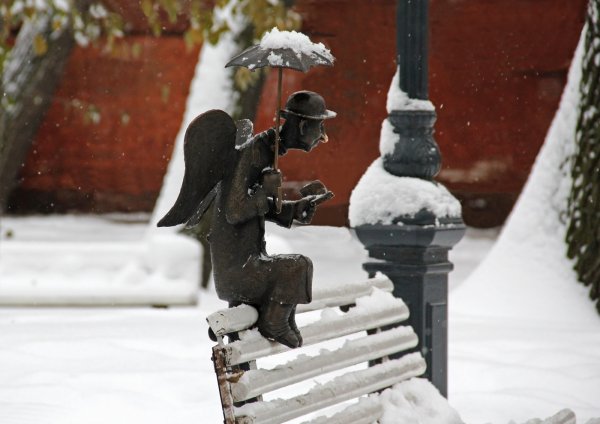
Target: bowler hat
pixel 309 105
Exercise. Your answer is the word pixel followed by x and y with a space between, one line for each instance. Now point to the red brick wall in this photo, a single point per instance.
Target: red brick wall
pixel 497 69
pixel 117 164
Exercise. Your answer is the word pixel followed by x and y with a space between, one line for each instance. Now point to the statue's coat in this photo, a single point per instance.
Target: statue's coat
pixel 243 271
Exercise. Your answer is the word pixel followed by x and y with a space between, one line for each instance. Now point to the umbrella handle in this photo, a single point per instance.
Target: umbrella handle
pixel 278 200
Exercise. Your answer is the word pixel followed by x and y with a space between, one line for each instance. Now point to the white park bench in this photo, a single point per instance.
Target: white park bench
pixel 242 384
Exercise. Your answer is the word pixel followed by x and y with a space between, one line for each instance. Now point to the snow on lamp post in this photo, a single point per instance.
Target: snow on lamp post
pixel 408 222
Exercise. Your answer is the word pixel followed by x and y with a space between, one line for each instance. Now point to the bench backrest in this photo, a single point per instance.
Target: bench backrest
pixel 242 384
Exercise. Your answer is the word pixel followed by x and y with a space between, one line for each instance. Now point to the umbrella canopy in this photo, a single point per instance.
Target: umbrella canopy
pixel 284 49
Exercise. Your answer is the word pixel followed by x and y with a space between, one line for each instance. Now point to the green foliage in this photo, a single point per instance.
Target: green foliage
pixel 87 24
pixel 583 232
pixel 92 21
pixel 208 21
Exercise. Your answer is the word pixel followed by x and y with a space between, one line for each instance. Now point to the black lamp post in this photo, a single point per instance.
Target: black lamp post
pixel 413 250
pixel 416 154
pixel 412 35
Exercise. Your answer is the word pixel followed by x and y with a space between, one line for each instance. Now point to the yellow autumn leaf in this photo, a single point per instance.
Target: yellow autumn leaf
pixel 195 35
pixel 57 23
pixel 136 50
pixel 147 8
pixel 165 92
pixel 40 45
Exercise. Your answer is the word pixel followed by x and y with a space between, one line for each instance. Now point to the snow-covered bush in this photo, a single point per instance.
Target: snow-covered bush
pixel 583 236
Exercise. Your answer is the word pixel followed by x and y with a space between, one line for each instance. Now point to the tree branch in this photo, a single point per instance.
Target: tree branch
pixel 28 84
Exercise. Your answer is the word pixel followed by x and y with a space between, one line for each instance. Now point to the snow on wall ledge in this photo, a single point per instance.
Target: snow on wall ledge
pixel 379 197
pixel 92 260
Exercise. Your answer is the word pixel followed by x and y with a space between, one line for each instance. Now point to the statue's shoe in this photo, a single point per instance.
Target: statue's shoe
pixel 288 339
pixel 273 323
pixel 294 327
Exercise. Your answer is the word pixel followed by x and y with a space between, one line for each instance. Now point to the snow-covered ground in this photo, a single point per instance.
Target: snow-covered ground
pixel 130 365
pixel 524 339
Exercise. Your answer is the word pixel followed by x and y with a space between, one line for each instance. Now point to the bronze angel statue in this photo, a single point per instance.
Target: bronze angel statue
pixel 227 166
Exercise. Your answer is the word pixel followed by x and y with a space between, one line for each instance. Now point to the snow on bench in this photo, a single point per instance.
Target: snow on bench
pixel 242 385
pixel 244 316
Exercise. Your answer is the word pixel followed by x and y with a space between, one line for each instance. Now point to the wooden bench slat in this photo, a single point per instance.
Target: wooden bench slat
pixel 231 320
pixel 353 352
pixel 244 316
pixel 254 346
pixel 366 411
pixel 345 294
pixel 340 389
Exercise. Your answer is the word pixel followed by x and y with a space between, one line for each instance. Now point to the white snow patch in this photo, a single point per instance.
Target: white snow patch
pixel 63 5
pixel 81 39
pixel 379 197
pixel 17 7
pixel 98 11
pixel 107 264
pixel 399 100
pixel 39 4
pixel 298 42
pixel 330 314
pixel 416 401
pixel 275 59
pixel 388 138
pixel 376 301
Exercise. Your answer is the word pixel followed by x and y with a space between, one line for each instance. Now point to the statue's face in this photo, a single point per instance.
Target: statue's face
pixel 303 134
pixel 311 132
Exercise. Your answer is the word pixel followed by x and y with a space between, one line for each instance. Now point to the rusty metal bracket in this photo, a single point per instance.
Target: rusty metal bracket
pixel 218 359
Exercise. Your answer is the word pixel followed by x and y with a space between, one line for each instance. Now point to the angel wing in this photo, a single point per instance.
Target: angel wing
pixel 245 129
pixel 208 152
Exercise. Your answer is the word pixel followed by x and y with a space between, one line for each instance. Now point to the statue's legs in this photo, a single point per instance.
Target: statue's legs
pixel 283 278
pixel 288 277
pixel 273 284
pixel 289 280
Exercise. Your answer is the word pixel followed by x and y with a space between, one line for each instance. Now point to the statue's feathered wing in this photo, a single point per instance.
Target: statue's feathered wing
pixel 208 152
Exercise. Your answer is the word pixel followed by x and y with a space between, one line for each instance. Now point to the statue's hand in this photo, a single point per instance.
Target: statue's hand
pixel 315 187
pixel 305 210
pixel 306 207
pixel 271 181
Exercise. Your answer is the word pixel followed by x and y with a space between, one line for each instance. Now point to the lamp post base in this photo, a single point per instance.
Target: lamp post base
pixel 414 254
pixel 416 154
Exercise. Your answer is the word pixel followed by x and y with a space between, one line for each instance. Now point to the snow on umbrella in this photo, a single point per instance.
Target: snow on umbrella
pixel 283 49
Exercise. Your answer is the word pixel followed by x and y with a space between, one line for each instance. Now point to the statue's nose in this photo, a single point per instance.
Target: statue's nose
pixel 324 137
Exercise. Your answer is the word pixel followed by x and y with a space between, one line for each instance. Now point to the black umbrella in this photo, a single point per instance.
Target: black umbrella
pixel 283 49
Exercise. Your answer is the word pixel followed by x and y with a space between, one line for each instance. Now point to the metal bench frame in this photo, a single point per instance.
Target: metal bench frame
pixel 241 384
